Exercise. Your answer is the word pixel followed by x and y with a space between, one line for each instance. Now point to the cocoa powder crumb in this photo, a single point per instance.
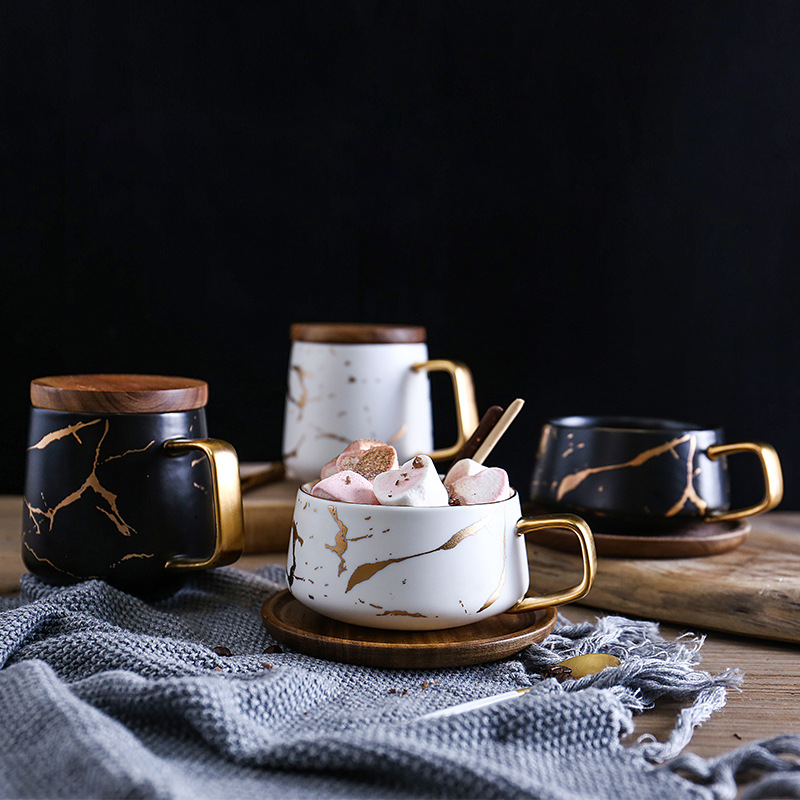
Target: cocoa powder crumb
pixel 561 674
pixel 266 665
pixel 417 463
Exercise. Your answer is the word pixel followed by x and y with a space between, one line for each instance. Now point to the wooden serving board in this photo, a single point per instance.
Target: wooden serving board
pixel 268 511
pixel 753 590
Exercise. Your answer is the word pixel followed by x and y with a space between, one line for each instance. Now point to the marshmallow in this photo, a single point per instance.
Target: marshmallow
pixel 487 486
pixel 376 460
pixel 462 468
pixel 347 487
pixel 348 458
pixel 416 483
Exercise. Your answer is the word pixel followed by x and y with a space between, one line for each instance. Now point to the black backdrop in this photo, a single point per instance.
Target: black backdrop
pixel 595 205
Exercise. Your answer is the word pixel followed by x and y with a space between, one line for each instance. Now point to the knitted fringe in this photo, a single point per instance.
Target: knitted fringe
pixel 780 777
pixel 667 669
pixel 661 669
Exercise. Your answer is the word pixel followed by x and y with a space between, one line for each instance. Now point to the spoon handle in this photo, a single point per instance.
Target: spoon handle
pixel 488 421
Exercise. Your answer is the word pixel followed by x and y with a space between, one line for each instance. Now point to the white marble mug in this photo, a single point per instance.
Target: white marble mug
pixel 359 381
pixel 415 568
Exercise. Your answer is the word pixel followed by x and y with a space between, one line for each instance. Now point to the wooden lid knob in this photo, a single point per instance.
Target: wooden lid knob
pixel 356 333
pixel 118 394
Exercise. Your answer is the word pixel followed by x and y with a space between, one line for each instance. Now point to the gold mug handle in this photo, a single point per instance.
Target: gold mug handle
pixel 466 407
pixel 227 494
pixel 773 477
pixel 580 528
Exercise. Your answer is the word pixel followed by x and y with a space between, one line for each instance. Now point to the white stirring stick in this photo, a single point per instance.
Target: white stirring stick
pixel 473 704
pixel 494 435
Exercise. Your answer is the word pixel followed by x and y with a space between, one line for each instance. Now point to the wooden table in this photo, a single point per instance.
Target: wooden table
pixel 768 705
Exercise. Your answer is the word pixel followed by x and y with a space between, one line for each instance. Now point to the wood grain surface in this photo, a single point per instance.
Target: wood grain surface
pixel 268 510
pixel 490 640
pixel 699 539
pixel 118 394
pixel 753 590
pixel 357 333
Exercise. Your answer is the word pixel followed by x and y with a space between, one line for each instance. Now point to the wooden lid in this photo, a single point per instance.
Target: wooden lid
pixel 356 333
pixel 118 394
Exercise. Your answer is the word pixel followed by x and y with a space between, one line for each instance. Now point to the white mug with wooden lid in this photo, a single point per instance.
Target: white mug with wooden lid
pixel 364 381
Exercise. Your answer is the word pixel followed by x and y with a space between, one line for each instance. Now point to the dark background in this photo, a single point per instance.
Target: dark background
pixel 594 205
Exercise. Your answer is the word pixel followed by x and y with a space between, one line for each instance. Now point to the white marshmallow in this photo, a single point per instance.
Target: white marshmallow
pixel 487 486
pixel 416 483
pixel 347 487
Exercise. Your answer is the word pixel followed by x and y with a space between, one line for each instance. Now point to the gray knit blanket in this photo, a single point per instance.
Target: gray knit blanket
pixel 104 694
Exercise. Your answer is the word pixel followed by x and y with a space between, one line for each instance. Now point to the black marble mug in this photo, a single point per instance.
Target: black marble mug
pixel 628 474
pixel 128 497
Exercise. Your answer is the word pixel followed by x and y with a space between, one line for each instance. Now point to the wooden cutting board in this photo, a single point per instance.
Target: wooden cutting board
pixel 753 590
pixel 268 511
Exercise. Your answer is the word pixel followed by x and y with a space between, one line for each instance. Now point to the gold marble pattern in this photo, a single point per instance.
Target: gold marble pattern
pixel 689 492
pixel 54 436
pixel 364 572
pixel 340 545
pixel 39 515
pixel 570 482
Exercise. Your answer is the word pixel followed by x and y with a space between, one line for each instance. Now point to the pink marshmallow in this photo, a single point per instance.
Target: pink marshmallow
pixel 347 487
pixel 462 468
pixel 416 483
pixel 487 486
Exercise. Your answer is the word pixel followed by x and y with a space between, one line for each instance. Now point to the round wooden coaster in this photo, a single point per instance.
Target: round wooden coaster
pixel 300 628
pixel 697 539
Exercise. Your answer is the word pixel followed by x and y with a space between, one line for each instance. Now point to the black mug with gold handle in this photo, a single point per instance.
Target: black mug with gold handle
pixel 632 474
pixel 122 482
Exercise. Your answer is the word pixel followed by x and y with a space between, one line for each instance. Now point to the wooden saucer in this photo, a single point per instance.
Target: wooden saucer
pixel 302 629
pixel 696 539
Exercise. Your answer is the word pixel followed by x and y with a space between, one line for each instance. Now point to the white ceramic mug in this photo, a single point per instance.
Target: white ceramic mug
pixel 415 568
pixel 358 381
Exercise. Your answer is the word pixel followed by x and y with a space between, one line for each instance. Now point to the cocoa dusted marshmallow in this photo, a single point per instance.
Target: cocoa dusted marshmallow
pixel 352 454
pixel 347 487
pixel 416 483
pixel 376 460
pixel 487 486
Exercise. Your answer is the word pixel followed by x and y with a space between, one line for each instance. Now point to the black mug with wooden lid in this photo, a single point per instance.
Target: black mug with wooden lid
pixel 122 482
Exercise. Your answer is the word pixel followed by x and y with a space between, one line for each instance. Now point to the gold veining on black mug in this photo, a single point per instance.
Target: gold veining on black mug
pixel 122 482
pixel 628 474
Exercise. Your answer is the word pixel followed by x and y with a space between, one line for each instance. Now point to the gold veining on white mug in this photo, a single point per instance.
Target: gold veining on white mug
pixel 303 399
pixel 295 538
pixel 496 593
pixel 399 435
pixel 340 546
pixel 364 572
pixel 400 613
